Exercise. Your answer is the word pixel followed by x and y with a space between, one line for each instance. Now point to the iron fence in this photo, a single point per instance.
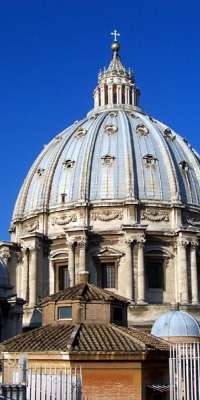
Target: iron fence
pixel 41 383
pixel 184 366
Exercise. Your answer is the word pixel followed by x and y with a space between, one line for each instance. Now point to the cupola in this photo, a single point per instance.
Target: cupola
pixel 116 85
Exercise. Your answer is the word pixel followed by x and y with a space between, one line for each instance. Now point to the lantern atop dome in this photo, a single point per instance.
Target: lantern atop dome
pixel 116 85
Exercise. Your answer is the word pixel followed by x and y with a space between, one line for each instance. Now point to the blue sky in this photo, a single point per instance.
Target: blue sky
pixel 51 52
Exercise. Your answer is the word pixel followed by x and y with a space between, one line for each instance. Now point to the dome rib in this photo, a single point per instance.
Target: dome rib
pixel 131 171
pixel 85 185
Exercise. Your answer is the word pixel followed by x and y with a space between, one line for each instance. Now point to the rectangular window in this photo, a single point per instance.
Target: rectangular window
pixel 63 277
pixel 65 312
pixel 155 275
pixel 108 275
pixel 117 315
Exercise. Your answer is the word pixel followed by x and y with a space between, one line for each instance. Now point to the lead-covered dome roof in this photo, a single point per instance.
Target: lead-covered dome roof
pixel 117 153
pixel 176 323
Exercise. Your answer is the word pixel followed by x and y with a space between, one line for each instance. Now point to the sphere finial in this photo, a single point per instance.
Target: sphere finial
pixel 115 45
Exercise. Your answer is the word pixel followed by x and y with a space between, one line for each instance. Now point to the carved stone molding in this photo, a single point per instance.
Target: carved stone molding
pixel 155 215
pixel 31 226
pixel 64 220
pixel 5 254
pixel 106 215
pixel 192 219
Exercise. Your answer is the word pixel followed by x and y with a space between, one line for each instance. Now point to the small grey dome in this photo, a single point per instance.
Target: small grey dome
pixel 176 323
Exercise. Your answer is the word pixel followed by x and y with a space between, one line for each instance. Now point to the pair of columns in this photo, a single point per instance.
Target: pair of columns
pixel 182 271
pixel 140 278
pixel 82 244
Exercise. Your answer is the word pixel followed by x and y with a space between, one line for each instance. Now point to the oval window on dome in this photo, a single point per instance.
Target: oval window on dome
pixel 40 171
pixel 184 166
pixel 108 160
pixel 110 129
pixel 142 130
pixel 68 163
pixel 168 134
pixel 113 114
pixel 80 132
pixel 149 160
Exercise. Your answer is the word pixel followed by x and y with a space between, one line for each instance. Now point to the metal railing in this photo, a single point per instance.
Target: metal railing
pixel 41 383
pixel 184 368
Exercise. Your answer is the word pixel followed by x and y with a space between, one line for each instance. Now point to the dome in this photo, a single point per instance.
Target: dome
pixel 117 153
pixel 111 156
pixel 176 323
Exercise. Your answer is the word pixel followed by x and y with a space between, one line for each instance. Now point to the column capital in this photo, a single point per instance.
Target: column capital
pixel 71 242
pixel 182 242
pixel 129 240
pixel 140 240
pixel 194 244
pixel 82 243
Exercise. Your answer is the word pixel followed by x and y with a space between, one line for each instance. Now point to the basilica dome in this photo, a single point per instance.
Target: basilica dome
pixel 117 153
pixel 113 199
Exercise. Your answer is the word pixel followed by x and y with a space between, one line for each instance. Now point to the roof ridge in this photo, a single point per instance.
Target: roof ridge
pixel 73 336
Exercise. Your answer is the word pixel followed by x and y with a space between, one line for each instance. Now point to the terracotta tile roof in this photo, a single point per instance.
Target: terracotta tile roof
pixel 83 338
pixel 85 292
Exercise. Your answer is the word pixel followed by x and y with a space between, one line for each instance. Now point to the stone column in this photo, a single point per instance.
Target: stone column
pixel 83 272
pixel 71 262
pixel 24 272
pixel 194 278
pixel 119 94
pixel 128 273
pixel 141 272
pixel 51 277
pixel 182 271
pixel 33 277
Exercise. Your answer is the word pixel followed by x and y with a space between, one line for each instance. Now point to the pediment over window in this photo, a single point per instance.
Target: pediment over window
pixel 56 254
pixel 109 252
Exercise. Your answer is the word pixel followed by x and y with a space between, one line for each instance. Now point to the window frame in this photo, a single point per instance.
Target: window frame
pixel 64 307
